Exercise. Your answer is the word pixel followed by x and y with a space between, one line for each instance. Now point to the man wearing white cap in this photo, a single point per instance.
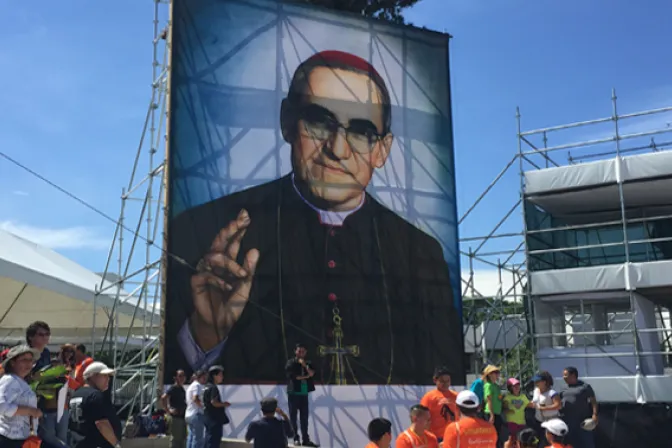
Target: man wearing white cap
pixel 92 416
pixel 469 431
pixel 556 430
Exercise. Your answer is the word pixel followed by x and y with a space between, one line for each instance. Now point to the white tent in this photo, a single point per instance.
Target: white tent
pixel 37 283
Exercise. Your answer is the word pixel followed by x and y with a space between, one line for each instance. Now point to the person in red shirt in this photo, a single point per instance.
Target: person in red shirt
pixel 417 435
pixel 441 403
pixel 380 433
pixel 556 430
pixel 469 431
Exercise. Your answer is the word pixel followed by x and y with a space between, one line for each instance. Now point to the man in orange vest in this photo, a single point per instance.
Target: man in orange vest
pixel 441 403
pixel 380 433
pixel 418 436
pixel 469 431
pixel 82 361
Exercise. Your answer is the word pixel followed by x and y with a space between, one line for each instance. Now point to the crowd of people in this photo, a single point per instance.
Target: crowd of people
pixel 31 413
pixel 487 417
pixel 197 413
pixel 483 416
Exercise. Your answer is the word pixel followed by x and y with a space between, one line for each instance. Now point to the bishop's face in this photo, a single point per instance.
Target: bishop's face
pixel 340 138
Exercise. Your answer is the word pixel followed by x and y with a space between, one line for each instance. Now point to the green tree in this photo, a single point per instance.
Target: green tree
pixel 389 10
pixel 519 361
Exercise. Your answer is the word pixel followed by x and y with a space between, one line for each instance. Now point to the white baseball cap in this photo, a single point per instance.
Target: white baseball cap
pixel 467 399
pixel 97 368
pixel 556 427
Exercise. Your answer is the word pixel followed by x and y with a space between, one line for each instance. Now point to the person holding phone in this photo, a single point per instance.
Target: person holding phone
pixel 300 383
pixel 269 431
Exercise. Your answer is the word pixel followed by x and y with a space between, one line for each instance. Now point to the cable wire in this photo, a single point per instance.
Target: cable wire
pixel 99 212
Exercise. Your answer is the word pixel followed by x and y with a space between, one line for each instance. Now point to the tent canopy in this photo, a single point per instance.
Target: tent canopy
pixel 37 283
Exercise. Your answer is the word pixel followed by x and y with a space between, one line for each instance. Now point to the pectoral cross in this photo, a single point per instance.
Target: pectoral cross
pixel 338 351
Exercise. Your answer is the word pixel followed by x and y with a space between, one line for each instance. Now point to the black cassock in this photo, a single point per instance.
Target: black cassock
pixel 388 279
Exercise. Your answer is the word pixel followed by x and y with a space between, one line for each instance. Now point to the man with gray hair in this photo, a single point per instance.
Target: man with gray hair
pixel 93 419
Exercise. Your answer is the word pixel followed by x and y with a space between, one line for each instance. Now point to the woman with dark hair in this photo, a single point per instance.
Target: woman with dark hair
pixel 67 357
pixel 18 403
pixel 214 409
pixel 546 401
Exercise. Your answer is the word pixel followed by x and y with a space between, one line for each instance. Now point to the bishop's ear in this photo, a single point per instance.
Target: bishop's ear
pixel 287 121
pixel 382 150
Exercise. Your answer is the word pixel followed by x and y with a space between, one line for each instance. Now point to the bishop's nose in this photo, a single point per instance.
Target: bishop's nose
pixel 338 147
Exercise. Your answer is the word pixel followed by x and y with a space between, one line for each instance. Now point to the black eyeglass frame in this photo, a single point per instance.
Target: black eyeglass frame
pixel 329 127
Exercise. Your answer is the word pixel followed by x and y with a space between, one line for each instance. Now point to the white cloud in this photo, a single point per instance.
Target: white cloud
pixel 64 238
pixel 20 193
pixel 486 283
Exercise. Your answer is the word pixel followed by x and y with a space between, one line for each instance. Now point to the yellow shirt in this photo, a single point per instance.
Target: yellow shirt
pixel 515 406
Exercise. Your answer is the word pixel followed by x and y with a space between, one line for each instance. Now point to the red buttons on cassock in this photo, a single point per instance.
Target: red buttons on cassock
pixel 332 297
pixel 331 264
pixel 332 232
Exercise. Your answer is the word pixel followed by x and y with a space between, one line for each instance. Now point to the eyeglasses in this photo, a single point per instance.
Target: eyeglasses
pixel 320 124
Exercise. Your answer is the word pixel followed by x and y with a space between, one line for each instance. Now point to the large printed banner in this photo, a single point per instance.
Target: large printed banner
pixel 311 196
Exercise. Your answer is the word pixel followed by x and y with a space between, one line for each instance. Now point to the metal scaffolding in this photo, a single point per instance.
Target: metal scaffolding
pixel 610 137
pixel 137 246
pixel 503 251
pixel 497 321
pixel 495 300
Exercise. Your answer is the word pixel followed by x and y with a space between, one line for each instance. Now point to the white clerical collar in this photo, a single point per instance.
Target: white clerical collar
pixel 328 217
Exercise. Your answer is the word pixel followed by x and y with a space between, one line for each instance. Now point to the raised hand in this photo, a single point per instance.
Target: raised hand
pixel 221 287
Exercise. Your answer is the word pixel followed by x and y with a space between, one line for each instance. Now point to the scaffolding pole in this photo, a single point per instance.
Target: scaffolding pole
pixel 614 147
pixel 134 355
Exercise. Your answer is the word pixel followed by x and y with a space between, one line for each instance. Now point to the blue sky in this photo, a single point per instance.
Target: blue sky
pixel 76 84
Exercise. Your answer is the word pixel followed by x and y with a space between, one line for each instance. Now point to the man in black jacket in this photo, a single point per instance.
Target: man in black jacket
pixel 270 432
pixel 312 253
pixel 299 384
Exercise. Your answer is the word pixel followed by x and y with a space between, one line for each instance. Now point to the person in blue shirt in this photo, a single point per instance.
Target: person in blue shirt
pixel 477 386
pixel 269 431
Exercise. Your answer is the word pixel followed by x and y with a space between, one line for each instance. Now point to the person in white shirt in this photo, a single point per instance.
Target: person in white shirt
pixel 547 402
pixel 18 403
pixel 194 415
